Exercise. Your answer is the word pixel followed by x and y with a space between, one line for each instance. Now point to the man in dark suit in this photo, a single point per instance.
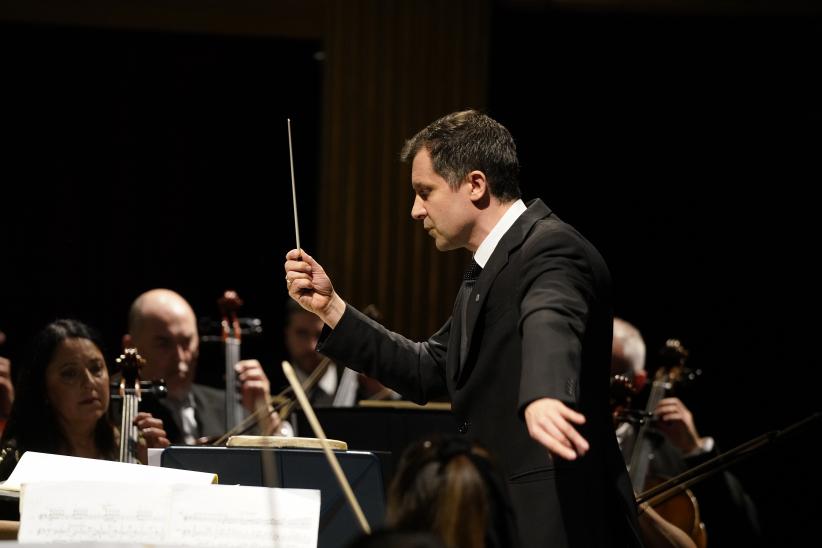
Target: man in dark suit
pixel 163 327
pixel 525 356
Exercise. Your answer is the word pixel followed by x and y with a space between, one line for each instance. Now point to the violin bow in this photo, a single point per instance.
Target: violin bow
pixel 675 485
pixel 332 458
pixel 282 407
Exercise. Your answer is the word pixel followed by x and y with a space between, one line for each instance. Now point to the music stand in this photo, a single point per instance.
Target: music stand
pixel 298 469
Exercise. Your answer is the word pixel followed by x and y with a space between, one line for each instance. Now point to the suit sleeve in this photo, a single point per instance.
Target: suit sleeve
pixel 555 300
pixel 414 369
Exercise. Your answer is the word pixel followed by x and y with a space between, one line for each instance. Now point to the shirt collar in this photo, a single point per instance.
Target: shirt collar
pixel 187 401
pixel 328 382
pixel 490 242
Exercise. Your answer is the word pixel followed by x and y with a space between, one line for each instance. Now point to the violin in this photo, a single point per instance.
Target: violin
pixel 229 304
pixel 681 510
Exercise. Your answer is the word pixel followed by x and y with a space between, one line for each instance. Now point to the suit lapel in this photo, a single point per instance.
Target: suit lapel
pixel 512 240
pixel 208 413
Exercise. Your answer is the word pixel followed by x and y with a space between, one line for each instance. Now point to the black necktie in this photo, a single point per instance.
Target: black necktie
pixel 468 279
pixel 472 272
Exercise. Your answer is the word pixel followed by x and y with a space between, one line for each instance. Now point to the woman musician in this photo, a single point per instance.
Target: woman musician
pixel 62 402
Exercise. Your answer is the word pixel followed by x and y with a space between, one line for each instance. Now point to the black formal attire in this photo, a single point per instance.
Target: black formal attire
pixel 537 323
pixel 209 413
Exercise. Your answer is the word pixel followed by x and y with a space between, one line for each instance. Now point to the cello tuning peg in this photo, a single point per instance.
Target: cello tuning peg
pixel 694 374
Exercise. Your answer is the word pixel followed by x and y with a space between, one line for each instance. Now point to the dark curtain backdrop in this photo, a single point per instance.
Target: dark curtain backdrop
pixel 393 67
pixel 136 160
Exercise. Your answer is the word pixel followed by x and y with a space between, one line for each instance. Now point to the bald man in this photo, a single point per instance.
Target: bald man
pixel 163 327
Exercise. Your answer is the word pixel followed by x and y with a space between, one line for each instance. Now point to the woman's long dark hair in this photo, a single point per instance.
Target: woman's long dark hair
pixel 32 425
pixel 451 487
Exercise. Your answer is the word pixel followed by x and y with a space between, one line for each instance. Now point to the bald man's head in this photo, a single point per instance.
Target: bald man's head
pixel 628 352
pixel 163 327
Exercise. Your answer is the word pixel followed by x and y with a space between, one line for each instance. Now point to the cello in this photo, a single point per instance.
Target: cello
pixel 130 390
pixel 229 304
pixel 681 510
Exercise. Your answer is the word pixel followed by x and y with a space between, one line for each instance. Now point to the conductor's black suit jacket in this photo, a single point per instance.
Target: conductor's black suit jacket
pixel 539 325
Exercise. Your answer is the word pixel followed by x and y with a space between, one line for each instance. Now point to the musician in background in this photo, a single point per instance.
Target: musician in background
pixel 302 331
pixel 727 511
pixel 338 386
pixel 163 328
pixel 63 400
pixel 6 385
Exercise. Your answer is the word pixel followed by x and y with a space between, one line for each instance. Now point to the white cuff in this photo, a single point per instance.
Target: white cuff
pixel 706 445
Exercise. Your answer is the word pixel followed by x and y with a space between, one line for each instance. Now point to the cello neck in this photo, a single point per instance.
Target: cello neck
pixel 672 370
pixel 229 303
pixel 130 393
pixel 641 454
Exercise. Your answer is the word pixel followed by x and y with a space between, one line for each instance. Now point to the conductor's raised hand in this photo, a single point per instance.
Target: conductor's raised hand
pixel 309 285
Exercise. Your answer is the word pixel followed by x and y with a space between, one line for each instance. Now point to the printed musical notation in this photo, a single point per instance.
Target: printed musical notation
pixel 181 515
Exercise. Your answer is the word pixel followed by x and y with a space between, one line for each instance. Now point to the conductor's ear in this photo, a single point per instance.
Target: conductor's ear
pixel 479 185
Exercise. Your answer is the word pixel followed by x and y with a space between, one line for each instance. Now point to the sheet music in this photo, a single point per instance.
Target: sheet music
pixel 181 515
pixel 93 511
pixel 245 516
pixel 35 466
